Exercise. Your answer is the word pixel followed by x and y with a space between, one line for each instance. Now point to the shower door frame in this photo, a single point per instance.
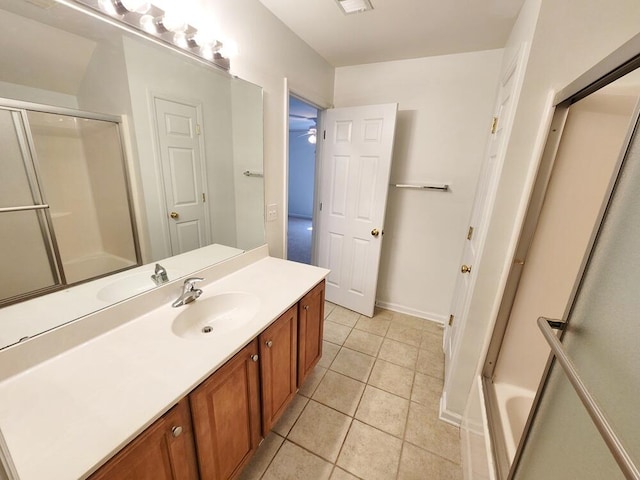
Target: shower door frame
pixel 27 145
pixel 620 62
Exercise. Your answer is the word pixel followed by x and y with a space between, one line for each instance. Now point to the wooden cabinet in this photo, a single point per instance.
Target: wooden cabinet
pixel 278 366
pixel 226 416
pixel 310 330
pixel 164 451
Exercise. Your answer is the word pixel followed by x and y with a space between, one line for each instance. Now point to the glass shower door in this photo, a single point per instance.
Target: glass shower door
pixel 601 340
pixel 27 260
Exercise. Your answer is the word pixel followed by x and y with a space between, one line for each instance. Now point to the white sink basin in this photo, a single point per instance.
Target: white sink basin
pixel 130 285
pixel 218 314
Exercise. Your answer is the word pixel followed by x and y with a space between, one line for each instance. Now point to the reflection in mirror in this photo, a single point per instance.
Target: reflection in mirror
pixel 187 131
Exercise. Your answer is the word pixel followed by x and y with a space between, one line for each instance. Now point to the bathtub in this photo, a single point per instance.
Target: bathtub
pixel 100 263
pixel 514 404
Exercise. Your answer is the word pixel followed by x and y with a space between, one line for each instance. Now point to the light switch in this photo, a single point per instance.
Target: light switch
pixel 272 212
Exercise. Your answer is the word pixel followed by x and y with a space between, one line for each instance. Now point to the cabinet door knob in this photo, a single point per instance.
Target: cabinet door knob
pixel 176 431
pixel 306 307
pixel 254 358
pixel 269 343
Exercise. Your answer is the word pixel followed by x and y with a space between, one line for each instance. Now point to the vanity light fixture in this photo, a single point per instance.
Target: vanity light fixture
pixel 168 26
pixel 354 6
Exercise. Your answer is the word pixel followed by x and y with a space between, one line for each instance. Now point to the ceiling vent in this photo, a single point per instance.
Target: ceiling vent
pixel 354 6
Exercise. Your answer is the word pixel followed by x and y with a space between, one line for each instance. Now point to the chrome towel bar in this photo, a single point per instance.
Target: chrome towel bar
pixel 616 448
pixel 23 208
pixel 248 173
pixel 443 187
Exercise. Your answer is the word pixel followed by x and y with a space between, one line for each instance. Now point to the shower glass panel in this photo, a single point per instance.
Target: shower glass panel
pixel 602 341
pixel 82 174
pixel 26 257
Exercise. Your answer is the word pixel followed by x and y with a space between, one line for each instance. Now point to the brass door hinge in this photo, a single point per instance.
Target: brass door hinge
pixel 204 198
pixel 451 317
pixel 494 125
pixel 470 233
pixel 197 129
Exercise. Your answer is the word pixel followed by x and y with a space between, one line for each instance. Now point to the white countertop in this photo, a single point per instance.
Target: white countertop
pixel 66 416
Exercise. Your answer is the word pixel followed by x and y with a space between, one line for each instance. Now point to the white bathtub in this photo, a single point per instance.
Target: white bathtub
pixel 514 405
pixel 94 265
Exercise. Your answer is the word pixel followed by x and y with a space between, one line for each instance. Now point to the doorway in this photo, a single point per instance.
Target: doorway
pixel 303 123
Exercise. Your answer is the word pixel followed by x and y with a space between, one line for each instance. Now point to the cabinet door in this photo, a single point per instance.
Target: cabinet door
pixel 163 451
pixel 278 366
pixel 310 329
pixel 226 416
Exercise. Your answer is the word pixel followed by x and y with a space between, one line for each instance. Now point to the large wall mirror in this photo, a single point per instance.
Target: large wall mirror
pixel 117 152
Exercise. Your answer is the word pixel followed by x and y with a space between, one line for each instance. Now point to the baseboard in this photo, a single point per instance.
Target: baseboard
pixel 445 415
pixel 433 317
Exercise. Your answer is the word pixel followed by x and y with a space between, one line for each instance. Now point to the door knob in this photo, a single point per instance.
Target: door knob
pixel 174 215
pixel 466 268
pixel 375 232
pixel 269 343
pixel 254 358
pixel 176 431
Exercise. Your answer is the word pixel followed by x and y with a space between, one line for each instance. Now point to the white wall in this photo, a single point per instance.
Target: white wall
pixel 269 53
pixel 444 115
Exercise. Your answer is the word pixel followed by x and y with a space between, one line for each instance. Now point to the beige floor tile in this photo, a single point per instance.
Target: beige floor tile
pixel 409 320
pixel 398 353
pixel 425 430
pixel 392 378
pixel 329 352
pixel 382 313
pixel 431 341
pixel 291 414
pixel 312 381
pixel 434 328
pixel 405 334
pixel 375 325
pixel 427 390
pixel 343 316
pixel 328 308
pixel 294 463
pixel 431 362
pixel 369 453
pixel 335 333
pixel 383 410
pixel 364 342
pixel 339 392
pixel 353 364
pixel 263 456
pixel 419 464
pixel 339 474
pixel 321 430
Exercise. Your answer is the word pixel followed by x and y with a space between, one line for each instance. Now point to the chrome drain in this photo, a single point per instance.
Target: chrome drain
pixel 207 329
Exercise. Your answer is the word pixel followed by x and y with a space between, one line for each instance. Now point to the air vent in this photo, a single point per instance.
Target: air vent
pixel 354 6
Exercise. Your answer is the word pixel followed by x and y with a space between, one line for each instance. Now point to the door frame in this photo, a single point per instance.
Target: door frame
pixel 289 92
pixel 161 188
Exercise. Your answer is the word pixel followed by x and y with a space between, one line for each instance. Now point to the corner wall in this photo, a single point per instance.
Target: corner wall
pixel 444 115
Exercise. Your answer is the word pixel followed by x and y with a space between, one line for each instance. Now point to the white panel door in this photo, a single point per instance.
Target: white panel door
pixel 510 82
pixel 181 157
pixel 355 166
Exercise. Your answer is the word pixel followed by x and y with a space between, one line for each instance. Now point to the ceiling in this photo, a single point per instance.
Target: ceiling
pixel 398 29
pixel 302 116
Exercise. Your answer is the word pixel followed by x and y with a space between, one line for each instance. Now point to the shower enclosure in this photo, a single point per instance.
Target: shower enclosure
pixel 65 210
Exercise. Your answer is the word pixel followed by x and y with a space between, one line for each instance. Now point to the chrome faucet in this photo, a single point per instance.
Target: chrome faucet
pixel 189 292
pixel 160 276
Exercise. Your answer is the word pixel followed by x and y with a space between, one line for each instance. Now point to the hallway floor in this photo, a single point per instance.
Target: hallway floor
pixel 299 231
pixel 370 408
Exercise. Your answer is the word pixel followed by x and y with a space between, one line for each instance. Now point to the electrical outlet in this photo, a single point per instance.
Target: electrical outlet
pixel 272 212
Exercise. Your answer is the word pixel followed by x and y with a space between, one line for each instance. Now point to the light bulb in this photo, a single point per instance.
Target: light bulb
pixel 207 52
pixel 108 7
pixel 205 38
pixel 180 39
pixel 312 139
pixel 148 24
pixel 229 49
pixel 137 6
pixel 173 21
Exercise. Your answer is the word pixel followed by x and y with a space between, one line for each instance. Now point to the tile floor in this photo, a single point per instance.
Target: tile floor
pixel 369 410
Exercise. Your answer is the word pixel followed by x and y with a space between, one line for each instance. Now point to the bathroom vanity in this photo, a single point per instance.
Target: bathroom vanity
pixel 126 390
